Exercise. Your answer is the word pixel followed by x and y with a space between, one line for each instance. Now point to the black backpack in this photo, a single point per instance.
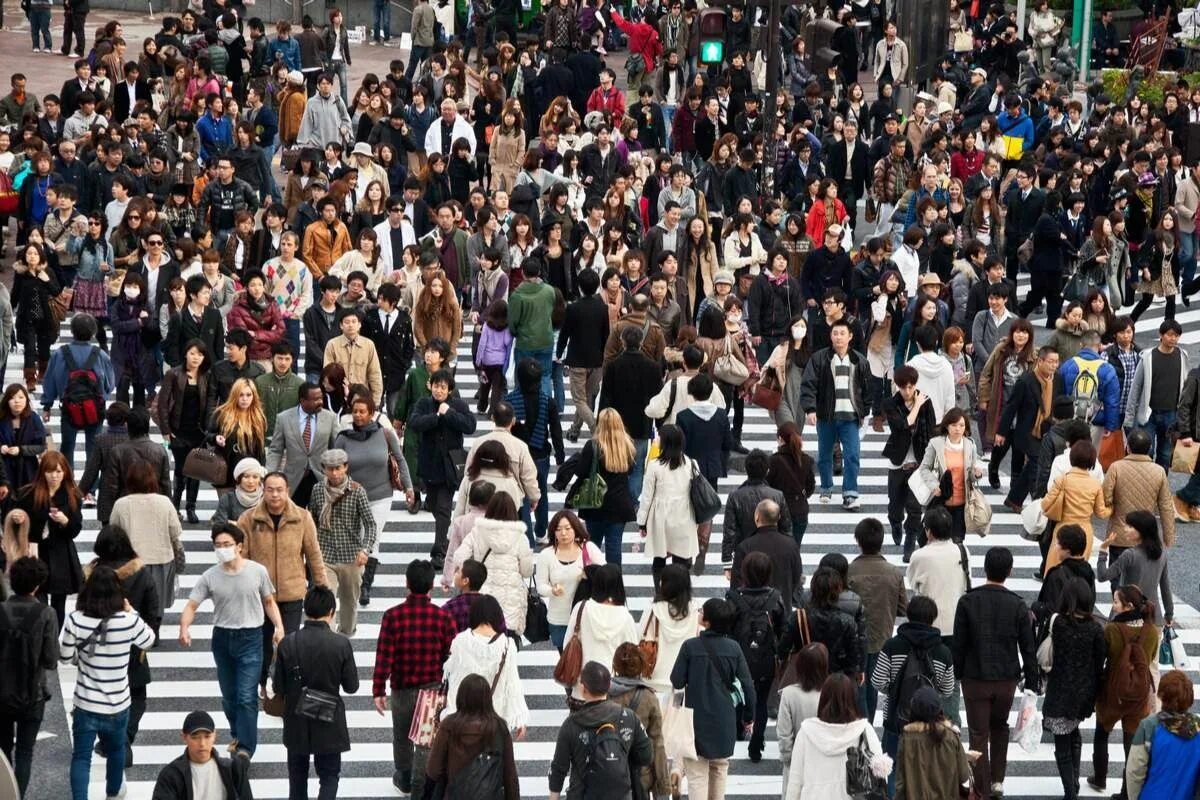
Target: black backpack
pixel 606 769
pixel 483 777
pixel 754 631
pixel 916 673
pixel 82 400
pixel 19 657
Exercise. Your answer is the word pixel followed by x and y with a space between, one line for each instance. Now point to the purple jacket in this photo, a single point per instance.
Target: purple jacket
pixel 494 348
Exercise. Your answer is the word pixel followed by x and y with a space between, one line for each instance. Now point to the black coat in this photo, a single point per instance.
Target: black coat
pixel 1020 412
pixel 787 573
pixel 904 436
pixel 584 333
pixel 1021 217
pixel 125 455
pixel 630 381
pixel 31 438
pixel 1076 678
pixel 395 348
pixel 715 716
pixel 317 658
pixel 56 543
pixel 772 306
pixel 1048 246
pixel 120 98
pixel 834 628
pixel 183 328
pixel 618 501
pixel 817 393
pixel 317 333
pixel 991 627
pixel 440 433
pixel 835 163
pixel 175 779
pixel 708 441
pixel 795 481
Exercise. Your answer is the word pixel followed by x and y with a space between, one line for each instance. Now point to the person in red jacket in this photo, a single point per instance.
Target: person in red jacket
pixel 607 98
pixel 643 41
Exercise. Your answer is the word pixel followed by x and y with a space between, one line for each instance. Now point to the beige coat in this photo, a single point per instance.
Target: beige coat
pixel 1074 499
pixel 505 155
pixel 1135 483
pixel 285 550
pixel 360 361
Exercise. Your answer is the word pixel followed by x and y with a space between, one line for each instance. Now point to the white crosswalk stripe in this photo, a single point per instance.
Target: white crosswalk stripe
pixel 185 679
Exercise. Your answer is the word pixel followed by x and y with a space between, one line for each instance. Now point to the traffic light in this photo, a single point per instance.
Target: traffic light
pixel 712 36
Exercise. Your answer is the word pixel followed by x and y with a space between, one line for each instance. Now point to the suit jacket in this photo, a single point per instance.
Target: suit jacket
pixel 835 161
pixel 70 95
pixel 395 348
pixel 1022 217
pixel 286 451
pixel 120 99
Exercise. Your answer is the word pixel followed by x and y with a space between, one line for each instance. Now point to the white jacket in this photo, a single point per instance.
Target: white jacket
pixel 660 406
pixel 899 60
pixel 473 654
pixel 665 511
pixel 936 572
pixel 671 634
pixel 461 130
pixel 504 550
pixel 936 379
pixel 818 769
pixel 604 628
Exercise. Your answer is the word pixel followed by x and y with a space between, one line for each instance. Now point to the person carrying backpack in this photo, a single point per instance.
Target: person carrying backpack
pixel 472 754
pixel 80 375
pixel 760 618
pixel 914 658
pixel 28 647
pixel 591 745
pixel 1093 386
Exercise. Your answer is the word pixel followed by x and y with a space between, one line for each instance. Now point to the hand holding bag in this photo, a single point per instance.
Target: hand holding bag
pixel 978 511
pixel 705 500
pixel 679 732
pixel 728 368
pixel 426 714
pixel 767 392
pixel 1183 457
pixel 648 646
pixel 537 625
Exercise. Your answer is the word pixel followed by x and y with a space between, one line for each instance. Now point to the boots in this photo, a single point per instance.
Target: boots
pixel 41 370
pixel 897 534
pixel 1182 509
pixel 368 579
pixel 31 379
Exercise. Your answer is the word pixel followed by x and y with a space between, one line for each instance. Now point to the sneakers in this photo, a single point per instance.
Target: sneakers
pixel 850 503
pixel 998 789
pixel 37 49
pixel 233 744
pixel 826 497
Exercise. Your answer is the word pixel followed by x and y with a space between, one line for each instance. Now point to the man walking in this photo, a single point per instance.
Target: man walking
pixel 582 336
pixel 1157 386
pixel 346 531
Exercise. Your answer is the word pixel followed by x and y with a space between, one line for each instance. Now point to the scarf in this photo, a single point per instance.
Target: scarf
pixel 360 434
pixel 1184 725
pixel 489 279
pixel 1044 407
pixel 777 279
pixel 249 499
pixel 333 495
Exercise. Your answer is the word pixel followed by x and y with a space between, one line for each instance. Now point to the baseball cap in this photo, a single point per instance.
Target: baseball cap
pixel 199 721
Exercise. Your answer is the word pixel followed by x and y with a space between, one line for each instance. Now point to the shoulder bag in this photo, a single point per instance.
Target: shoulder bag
pixel 649 647
pixel 570 663
pixel 767 392
pixel 207 465
pixel 591 490
pixel 978 511
pixel 785 671
pixel 705 500
pixel 861 781
pixel 728 368
pixel 537 625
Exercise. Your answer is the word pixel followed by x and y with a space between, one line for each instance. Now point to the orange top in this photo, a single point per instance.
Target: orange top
pixel 954 463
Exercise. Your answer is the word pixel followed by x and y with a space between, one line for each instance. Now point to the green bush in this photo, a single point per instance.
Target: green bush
pixel 1152 89
pixel 1097 5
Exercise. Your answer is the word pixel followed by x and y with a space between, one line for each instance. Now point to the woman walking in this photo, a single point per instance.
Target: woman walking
pixel 672 619
pixel 499 543
pixel 793 472
pixel 239 428
pixel 932 764
pixel 153 526
pixel 473 728
pixel 950 468
pixel 603 622
pixel 665 516
pixel 800 701
pixel 613 452
pixel 482 649
pixel 560 569
pixel 184 406
pixel 22 436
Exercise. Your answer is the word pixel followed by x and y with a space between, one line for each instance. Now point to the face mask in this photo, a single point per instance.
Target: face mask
pixel 226 554
pixel 734 318
pixel 132 294
pixel 798 332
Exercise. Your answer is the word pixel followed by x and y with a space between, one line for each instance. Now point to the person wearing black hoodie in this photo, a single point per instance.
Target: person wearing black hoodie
pixel 911 422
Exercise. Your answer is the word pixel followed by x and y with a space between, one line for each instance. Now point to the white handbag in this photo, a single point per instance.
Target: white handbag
pixel 920 489
pixel 1033 521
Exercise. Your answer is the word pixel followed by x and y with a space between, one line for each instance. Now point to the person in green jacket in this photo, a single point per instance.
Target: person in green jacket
pixel 416 386
pixel 530 318
pixel 279 389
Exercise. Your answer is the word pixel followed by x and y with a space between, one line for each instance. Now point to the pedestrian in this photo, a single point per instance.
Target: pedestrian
pixel 561 567
pixel 184 406
pixel 154 530
pixel 1171 732
pixel 1076 497
pixel 247 492
pixel 473 729
pixel 760 612
pixel 346 532
pixel 199 735
pixel 800 700
pixel 950 469
pixel 238 428
pixel 499 544
pixel 932 762
pixel 613 454
pixel 484 648
pixel 912 425
pixel 631 690
pixel 666 519
pixel 1144 564
pixel 880 585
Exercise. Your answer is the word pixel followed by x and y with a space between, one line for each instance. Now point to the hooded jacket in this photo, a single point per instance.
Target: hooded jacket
pixel 911 636
pixel 640 698
pixel 603 629
pixel 1108 390
pixel 1020 125
pixel 931 768
pixel 503 548
pixel 707 436
pixel 818 769
pixel 935 379
pixel 1175 771
pixel 575 739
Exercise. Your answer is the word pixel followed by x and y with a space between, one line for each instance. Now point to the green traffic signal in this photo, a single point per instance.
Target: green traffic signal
pixel 712 52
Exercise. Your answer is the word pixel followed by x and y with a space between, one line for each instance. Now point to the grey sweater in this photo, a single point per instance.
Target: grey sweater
pixel 369 459
pixel 1134 566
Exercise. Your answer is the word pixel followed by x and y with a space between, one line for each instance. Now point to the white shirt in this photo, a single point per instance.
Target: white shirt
pixel 132 89
pixel 206 781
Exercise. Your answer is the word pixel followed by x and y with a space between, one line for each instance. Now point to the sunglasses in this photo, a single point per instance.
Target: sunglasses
pixel 155 243
pixel 134 216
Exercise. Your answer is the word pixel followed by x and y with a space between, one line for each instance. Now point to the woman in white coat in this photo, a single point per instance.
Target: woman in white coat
pixel 489 462
pixel 499 543
pixel 482 650
pixel 665 515
pixel 950 467
pixel 818 770
pixel 560 570
pixel 603 622
pixel 672 619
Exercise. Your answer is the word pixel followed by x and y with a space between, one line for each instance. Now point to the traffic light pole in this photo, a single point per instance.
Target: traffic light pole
pixel 774 23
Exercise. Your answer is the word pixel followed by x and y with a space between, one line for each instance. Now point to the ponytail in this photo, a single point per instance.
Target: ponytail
pixel 1133 595
pixel 790 434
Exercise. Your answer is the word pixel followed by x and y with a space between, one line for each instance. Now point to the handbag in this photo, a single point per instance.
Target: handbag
pixel 767 392
pixel 590 492
pixel 919 488
pixel 1025 251
pixel 871 212
pixel 316 705
pixel 426 715
pixel 963 41
pixel 60 305
pixel 1183 457
pixel 537 625
pixel 678 729
pixel 570 663
pixel 649 648
pixel 861 781
pixel 978 511
pixel 1112 449
pixel 207 465
pixel 113 282
pixel 1077 287
pixel 288 158
pixel 704 498
pixel 456 464
pixel 1045 650
pixel 728 368
pixel 1033 521
pixel 273 705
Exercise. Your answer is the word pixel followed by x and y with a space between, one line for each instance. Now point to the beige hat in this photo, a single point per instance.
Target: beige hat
pixel 296 77
pixel 835 229
pixel 723 276
pixel 362 149
pixel 930 279
pixel 944 108
pixel 981 72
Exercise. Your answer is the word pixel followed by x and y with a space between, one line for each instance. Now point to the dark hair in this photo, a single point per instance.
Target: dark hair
pixel 581 534
pixel 101 595
pixel 756 465
pixel 1083 455
pixel 1133 595
pixel 905 376
pixel 922 610
pixel 419 576
pixel 997 564
pixel 1072 539
pixel 27 574
pixel 480 493
pixel 869 535
pixel 83 327
pixel 1176 692
pixel 838 704
pixel 937 523
pixel 595 678
pixel 756 570
pixel 700 386
pixel 671 444
pixel 812 666
pixel 236 533
pixel 473 704
pixel 826 586
pixel 116 413
pixel 113 545
pixel 138 422
pixel 319 602
pixel 1138 442
pixel 1146 525
pixel 720 615
pixel 490 454
pixel 485 610
pixel 608 585
pixel 140 476
pixel 675 589
pixel 1077 597
pixel 627 660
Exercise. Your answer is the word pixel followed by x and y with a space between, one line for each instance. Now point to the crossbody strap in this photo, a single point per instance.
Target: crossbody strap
pixel 503 659
pixel 727 682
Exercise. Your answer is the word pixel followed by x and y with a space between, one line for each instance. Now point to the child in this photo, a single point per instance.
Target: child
pixel 477 499
pixel 416 387
pixel 492 356
pixel 462 171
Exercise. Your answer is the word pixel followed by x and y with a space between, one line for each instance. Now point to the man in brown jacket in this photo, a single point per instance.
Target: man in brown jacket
pixel 326 240
pixel 880 585
pixel 653 340
pixel 1137 483
pixel 282 537
pixel 291 108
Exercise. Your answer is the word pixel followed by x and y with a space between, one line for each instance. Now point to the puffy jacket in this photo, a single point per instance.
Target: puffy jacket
pixel 1108 391
pixel 836 629
pixel 265 325
pixel 504 550
pixel 1020 125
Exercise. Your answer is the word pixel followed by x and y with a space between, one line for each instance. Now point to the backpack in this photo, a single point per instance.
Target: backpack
pixel 482 777
pixel 754 631
pixel 1085 392
pixel 82 400
pixel 606 767
pixel 916 673
pixel 19 657
pixel 1128 683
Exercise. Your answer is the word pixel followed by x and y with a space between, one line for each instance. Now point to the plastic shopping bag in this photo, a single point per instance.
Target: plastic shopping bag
pixel 1028 730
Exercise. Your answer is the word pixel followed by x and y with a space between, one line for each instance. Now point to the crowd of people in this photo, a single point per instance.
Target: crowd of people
pixel 277 271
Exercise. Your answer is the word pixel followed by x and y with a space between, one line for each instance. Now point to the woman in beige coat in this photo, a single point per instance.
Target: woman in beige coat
pixel 951 467
pixel 507 149
pixel 1075 498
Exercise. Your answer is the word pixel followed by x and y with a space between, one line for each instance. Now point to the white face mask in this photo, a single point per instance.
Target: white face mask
pixel 132 294
pixel 734 318
pixel 798 331
pixel 226 554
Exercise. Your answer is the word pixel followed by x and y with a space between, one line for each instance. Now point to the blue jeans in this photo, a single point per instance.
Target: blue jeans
pixel 545 357
pixel 558 635
pixel 537 531
pixel 69 432
pixel 110 728
pixel 338 68
pixel 291 329
pixel 39 24
pixel 1187 256
pixel 1159 428
pixel 272 186
pixel 238 653
pixel 641 447
pixel 607 536
pixel 845 431
pixel 868 697
pixel 418 54
pixel 668 121
pixel 381 29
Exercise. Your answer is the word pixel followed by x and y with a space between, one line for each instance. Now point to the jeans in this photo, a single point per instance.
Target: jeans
pixel 668 120
pixel 903 508
pixel 1159 428
pixel 558 635
pixel 405 756
pixel 545 357
pixel 799 526
pixel 329 769
pixel 381 29
pixel 18 735
pixel 891 747
pixel 291 612
pixel 638 472
pixel 39 25
pixel 73 26
pixel 291 329
pixel 607 536
pixel 70 432
pixel 1187 256
pixel 238 654
pixel 845 431
pixel 988 704
pixel 338 68
pixel 868 696
pixel 110 728
pixel 538 531
pixel 272 186
pixel 415 56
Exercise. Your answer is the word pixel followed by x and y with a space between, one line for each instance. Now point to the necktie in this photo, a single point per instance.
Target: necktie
pixel 308 432
pixel 387 324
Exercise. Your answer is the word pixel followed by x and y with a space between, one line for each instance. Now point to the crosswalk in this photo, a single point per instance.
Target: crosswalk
pixel 185 679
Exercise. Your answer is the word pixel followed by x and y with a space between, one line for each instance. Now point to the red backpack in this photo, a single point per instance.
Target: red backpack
pixel 82 400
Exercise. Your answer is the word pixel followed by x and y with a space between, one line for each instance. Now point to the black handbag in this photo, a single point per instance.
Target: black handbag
pixel 705 500
pixel 456 465
pixel 537 625
pixel 861 782
pixel 316 705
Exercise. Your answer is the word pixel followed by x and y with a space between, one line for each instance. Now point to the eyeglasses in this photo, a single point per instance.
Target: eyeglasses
pixel 395 210
pixel 132 217
pixel 94 223
pixel 155 243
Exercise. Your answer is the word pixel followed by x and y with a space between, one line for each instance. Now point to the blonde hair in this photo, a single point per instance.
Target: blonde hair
pixel 248 428
pixel 616 448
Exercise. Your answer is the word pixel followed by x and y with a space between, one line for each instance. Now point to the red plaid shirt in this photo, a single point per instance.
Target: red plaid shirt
pixel 414 642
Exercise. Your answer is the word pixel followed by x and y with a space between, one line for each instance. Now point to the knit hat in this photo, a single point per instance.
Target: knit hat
pixel 248 465
pixel 334 457
pixel 723 276
pixel 296 77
